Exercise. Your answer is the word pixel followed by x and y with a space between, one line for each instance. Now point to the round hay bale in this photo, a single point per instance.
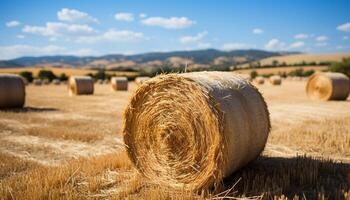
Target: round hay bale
pixel 80 85
pixel 119 83
pixel 141 79
pixel 191 130
pixel 37 82
pixel 259 80
pixel 46 82
pixel 99 81
pixel 106 81
pixel 13 92
pixel 328 86
pixel 56 81
pixel 275 80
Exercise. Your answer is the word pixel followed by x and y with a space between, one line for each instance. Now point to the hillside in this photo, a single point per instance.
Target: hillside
pixel 203 57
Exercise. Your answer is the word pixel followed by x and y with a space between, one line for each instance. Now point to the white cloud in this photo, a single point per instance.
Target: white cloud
pixel 258 31
pixel 113 36
pixel 20 36
pixel 301 36
pixel 193 39
pixel 321 38
pixel 72 15
pixel 344 27
pixel 203 45
pixel 346 38
pixel 14 51
pixel 233 46
pixel 169 23
pixel 275 44
pixel 321 44
pixel 296 45
pixel 128 17
pixel 11 24
pixel 59 29
pixel 142 15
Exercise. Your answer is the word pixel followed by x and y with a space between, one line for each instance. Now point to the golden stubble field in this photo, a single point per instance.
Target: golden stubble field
pixel 61 147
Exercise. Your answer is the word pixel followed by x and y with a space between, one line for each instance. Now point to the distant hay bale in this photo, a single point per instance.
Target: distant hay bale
pixel 56 81
pixel 141 79
pixel 275 80
pixel 191 130
pixel 106 81
pixel 99 81
pixel 46 82
pixel 12 90
pixel 37 82
pixel 259 80
pixel 119 83
pixel 328 86
pixel 80 85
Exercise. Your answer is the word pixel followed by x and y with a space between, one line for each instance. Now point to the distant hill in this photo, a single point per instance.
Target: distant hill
pixel 203 57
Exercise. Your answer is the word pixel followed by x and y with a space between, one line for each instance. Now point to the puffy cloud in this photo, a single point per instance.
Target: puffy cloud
pixel 296 45
pixel 258 31
pixel 72 15
pixel 142 15
pixel 11 24
pixel 113 36
pixel 321 44
pixel 168 23
pixel 233 46
pixel 128 17
pixel 344 27
pixel 275 44
pixel 193 39
pixel 301 36
pixel 346 38
pixel 14 51
pixel 321 38
pixel 59 29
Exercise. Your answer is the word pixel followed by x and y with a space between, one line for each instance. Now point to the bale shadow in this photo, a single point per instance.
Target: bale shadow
pixel 29 109
pixel 301 176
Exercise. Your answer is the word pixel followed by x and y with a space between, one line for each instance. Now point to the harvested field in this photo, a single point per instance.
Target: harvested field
pixel 61 147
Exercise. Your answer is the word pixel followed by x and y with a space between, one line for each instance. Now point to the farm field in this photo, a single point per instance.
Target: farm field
pixel 71 148
pixel 286 69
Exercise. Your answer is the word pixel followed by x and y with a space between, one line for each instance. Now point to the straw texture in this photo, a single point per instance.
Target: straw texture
pixel 12 90
pixel 275 80
pixel 141 79
pixel 80 85
pixel 259 80
pixel 119 83
pixel 191 130
pixel 328 86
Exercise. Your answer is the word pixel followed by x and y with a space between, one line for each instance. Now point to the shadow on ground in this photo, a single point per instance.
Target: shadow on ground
pixel 30 109
pixel 306 177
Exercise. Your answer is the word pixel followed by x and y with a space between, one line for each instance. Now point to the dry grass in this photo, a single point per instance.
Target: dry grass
pixel 38 143
pixel 276 70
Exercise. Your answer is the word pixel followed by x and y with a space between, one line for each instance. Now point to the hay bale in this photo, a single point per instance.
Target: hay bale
pixel 99 81
pixel 12 89
pixel 259 80
pixel 328 86
pixel 191 130
pixel 106 81
pixel 46 82
pixel 37 82
pixel 141 79
pixel 119 83
pixel 275 80
pixel 56 81
pixel 80 85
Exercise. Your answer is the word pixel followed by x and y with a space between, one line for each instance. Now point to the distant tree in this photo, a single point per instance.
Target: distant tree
pixel 275 63
pixel 100 75
pixel 63 77
pixel 27 75
pixel 46 74
pixel 253 74
pixel 342 67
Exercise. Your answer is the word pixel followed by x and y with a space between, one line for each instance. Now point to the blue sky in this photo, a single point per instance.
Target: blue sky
pixel 88 27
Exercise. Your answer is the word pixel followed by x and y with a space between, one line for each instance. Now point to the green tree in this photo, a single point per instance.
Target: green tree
pixel 27 75
pixel 253 74
pixel 275 63
pixel 63 77
pixel 46 74
pixel 341 67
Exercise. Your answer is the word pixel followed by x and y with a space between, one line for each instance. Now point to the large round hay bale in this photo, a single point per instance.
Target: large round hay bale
pixel 37 82
pixel 275 80
pixel 259 80
pixel 56 81
pixel 12 90
pixel 119 83
pixel 328 86
pixel 46 82
pixel 141 79
pixel 191 130
pixel 80 85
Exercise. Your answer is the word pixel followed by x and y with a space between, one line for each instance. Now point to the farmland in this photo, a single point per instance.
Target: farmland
pixel 71 147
